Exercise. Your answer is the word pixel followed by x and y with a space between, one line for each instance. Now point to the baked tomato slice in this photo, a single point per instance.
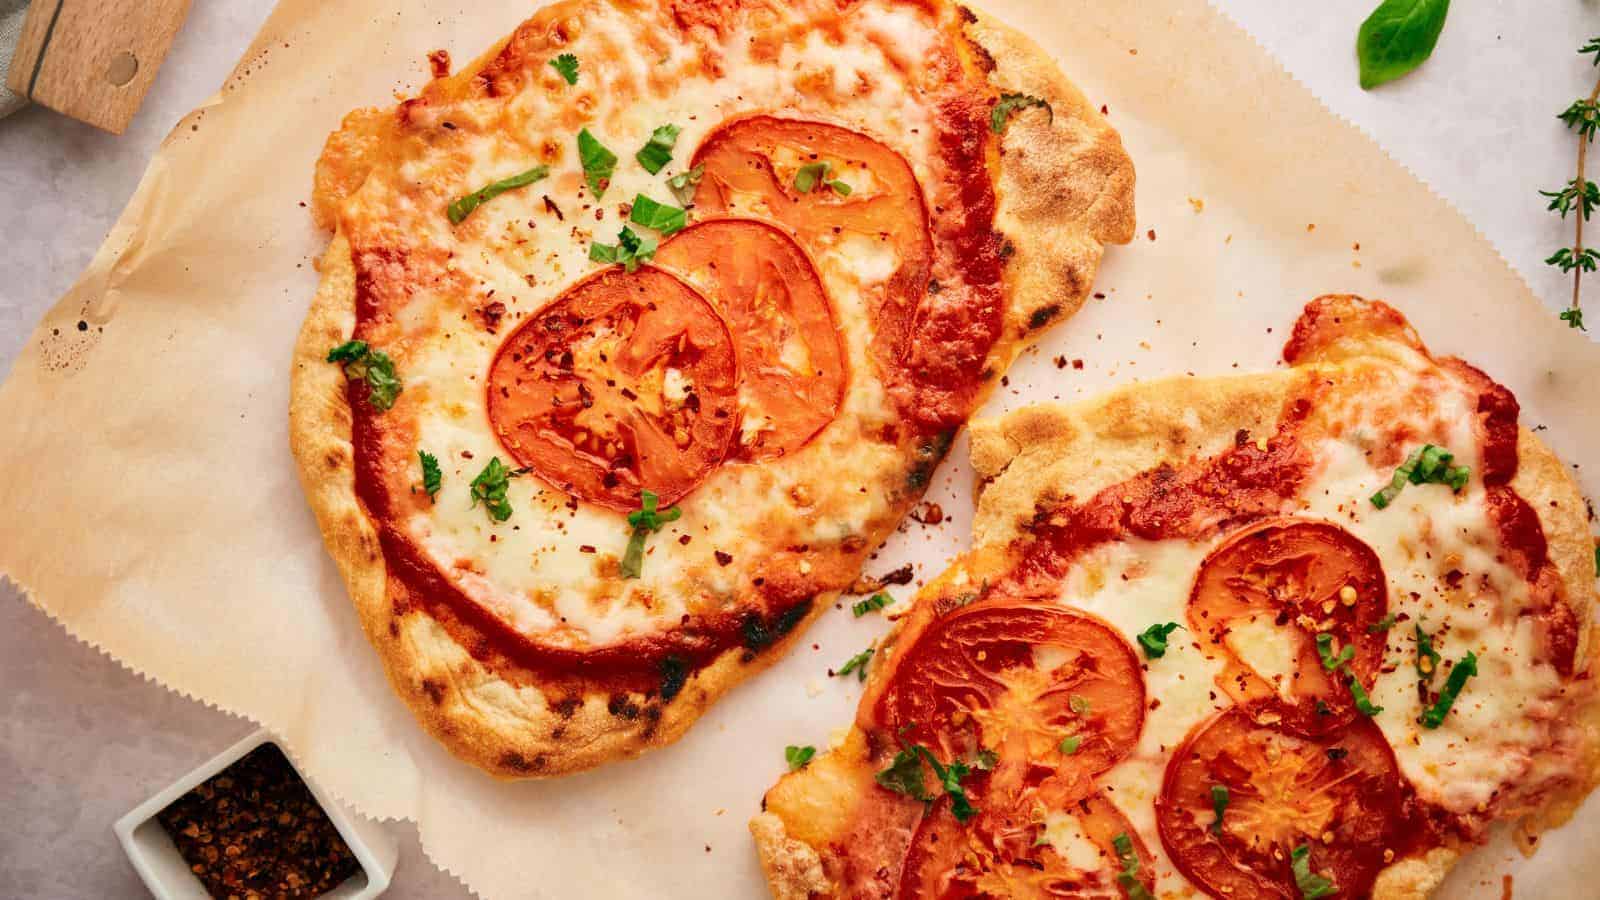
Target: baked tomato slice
pixel 791 359
pixel 627 381
pixel 1292 602
pixel 1070 852
pixel 843 194
pixel 1056 696
pixel 1339 796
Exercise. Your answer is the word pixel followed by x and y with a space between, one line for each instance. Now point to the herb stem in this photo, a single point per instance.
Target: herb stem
pixel 1577 249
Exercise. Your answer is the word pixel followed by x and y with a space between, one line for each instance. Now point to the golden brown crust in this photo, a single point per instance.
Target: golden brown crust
pixel 1064 189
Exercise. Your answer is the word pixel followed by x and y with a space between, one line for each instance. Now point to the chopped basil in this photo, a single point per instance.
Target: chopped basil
pixel 876 601
pixel 856 664
pixel 1312 886
pixel 658 216
pixel 1078 704
pixel 372 366
pixel 645 520
pixel 657 152
pixel 1069 744
pixel 490 487
pixel 598 162
pixel 567 65
pixel 1129 876
pixel 432 477
pixel 1428 465
pixel 1219 805
pixel 1010 103
pixel 463 206
pixel 1383 624
pixel 950 777
pixel 904 775
pixel 1363 701
pixel 629 251
pixel 808 176
pixel 1154 639
pixel 798 756
pixel 1464 668
pixel 1330 661
pixel 683 184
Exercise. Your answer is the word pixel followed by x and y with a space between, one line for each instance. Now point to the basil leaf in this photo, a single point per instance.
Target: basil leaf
pixel 876 601
pixel 1129 876
pixel 904 775
pixel 1383 624
pixel 1312 886
pixel 1010 103
pixel 683 184
pixel 1154 639
pixel 489 488
pixel 1427 465
pixel 856 664
pixel 567 65
pixel 599 163
pixel 351 351
pixel 797 757
pixel 809 175
pixel 1325 650
pixel 463 206
pixel 372 366
pixel 629 251
pixel 432 477
pixel 1465 668
pixel 1427 657
pixel 658 216
pixel 1219 805
pixel 657 152
pixel 1398 37
pixel 1363 700
pixel 1069 744
pixel 645 520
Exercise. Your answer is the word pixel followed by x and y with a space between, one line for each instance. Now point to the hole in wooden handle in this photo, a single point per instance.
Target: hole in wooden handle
pixel 122 68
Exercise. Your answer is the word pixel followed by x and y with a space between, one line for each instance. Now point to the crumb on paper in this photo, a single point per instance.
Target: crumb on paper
pixel 813 688
pixel 1198 204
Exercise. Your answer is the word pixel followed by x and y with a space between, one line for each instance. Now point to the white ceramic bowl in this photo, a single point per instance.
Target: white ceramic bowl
pixel 167 875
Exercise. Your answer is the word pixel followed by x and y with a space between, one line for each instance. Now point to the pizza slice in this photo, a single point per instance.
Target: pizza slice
pixel 635 336
pixel 1305 633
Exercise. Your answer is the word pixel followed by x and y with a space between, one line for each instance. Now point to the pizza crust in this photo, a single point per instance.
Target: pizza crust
pixel 1065 188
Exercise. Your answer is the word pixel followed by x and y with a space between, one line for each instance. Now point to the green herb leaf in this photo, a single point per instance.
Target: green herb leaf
pixel 645 521
pixel 599 163
pixel 1363 701
pixel 1465 668
pixel 1069 744
pixel 683 184
pixel 489 488
pixel 1129 876
pixel 1383 624
pixel 1330 661
pixel 856 664
pixel 904 775
pixel 809 175
pixel 1010 103
pixel 657 152
pixel 629 251
pixel 1426 465
pixel 1399 36
pixel 986 760
pixel 1154 639
pixel 876 601
pixel 432 477
pixel 1219 805
pixel 950 778
pixel 1583 116
pixel 567 65
pixel 798 756
pixel 463 206
pixel 347 352
pixel 363 363
pixel 1312 886
pixel 1573 317
pixel 658 216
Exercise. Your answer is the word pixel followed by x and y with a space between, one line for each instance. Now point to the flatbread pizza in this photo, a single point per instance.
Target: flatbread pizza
pixel 636 335
pixel 1304 633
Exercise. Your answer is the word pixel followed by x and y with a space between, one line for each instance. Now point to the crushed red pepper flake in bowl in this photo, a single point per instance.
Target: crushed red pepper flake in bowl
pixel 254 832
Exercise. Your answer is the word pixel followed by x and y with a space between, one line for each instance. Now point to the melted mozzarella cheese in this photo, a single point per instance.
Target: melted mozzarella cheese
pixel 549 570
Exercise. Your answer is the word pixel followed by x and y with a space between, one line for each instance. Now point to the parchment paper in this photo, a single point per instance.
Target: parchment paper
pixel 151 504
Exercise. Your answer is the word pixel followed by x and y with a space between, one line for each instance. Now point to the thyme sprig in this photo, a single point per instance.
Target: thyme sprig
pixel 1580 195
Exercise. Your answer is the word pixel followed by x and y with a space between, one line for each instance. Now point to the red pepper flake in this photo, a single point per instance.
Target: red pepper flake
pixel 254 831
pixel 723 558
pixel 929 513
pixel 492 313
pixel 1077 364
pixel 1151 234
pixel 585 548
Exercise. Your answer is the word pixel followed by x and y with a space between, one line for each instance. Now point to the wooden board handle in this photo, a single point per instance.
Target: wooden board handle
pixel 94 59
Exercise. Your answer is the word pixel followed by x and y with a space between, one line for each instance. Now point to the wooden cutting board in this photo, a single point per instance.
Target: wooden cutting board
pixel 94 59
